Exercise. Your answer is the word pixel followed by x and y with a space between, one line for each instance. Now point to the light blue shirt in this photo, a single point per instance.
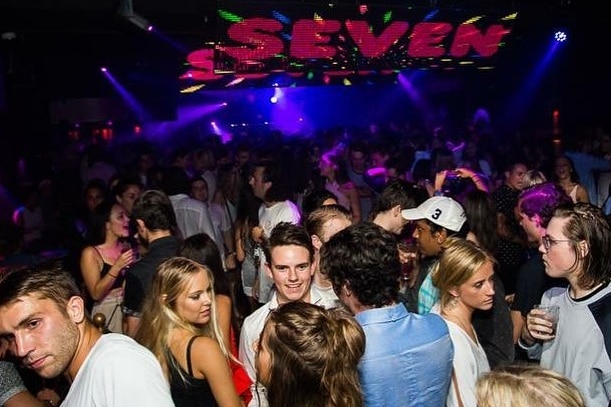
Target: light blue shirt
pixel 407 360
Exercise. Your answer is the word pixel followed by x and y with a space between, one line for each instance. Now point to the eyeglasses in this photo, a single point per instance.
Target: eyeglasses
pixel 548 242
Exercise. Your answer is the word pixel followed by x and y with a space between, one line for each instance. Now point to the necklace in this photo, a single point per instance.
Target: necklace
pixel 465 326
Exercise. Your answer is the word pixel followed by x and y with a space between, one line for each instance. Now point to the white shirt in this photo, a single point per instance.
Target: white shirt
pixel 192 216
pixel 470 362
pixel 251 331
pixel 119 372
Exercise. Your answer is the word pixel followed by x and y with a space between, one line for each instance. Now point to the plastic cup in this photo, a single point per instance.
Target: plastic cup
pixel 551 313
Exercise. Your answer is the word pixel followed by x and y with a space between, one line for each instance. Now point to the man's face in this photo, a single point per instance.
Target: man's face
pixel 530 226
pixel 259 187
pixel 199 190
pixel 42 336
pixel 560 258
pixel 93 197
pixel 397 222
pixel 242 158
pixel 357 159
pixel 291 268
pixel 515 178
pixel 128 197
pixel 428 243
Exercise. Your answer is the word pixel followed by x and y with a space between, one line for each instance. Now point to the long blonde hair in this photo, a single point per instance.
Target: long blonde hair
pixel 526 386
pixel 159 317
pixel 459 260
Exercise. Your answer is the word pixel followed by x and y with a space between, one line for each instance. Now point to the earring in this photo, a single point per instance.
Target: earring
pixel 453 302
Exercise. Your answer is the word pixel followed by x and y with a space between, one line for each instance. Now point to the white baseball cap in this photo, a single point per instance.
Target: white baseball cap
pixel 441 210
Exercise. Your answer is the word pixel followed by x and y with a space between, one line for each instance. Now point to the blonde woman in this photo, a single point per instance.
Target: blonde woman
pixel 179 325
pixel 105 261
pixel 465 279
pixel 526 386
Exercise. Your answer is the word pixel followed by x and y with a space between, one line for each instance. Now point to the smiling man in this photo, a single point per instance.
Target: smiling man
pixel 291 267
pixel 43 315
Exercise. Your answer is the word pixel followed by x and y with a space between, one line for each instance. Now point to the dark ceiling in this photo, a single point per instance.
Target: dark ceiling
pixel 60 43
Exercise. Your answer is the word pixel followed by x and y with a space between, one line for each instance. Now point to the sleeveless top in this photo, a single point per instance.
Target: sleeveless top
pixel 190 392
pixel 106 268
pixel 573 193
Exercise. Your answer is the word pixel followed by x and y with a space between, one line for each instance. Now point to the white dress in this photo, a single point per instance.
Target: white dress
pixel 470 362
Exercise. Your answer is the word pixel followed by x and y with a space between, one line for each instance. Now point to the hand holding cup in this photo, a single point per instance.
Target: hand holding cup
pixel 542 321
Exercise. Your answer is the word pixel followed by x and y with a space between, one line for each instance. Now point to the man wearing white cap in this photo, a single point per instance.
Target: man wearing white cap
pixel 436 219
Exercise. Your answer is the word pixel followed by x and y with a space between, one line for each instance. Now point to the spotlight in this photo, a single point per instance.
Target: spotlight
pixel 140 22
pixel 103 69
pixel 273 99
pixel 560 36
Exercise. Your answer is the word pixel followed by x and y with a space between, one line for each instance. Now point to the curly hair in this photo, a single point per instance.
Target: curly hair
pixel 306 367
pixel 364 257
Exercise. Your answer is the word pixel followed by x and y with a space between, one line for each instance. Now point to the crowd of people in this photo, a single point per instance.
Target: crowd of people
pixel 339 270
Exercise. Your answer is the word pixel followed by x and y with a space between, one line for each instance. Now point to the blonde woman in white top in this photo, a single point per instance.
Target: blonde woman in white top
pixel 464 277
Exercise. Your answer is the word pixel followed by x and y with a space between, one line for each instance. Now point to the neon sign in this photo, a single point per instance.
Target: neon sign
pixel 345 42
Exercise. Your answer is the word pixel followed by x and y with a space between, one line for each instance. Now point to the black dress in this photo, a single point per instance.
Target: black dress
pixel 192 392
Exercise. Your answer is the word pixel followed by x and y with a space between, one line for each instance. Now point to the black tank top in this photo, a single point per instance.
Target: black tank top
pixel 106 268
pixel 192 392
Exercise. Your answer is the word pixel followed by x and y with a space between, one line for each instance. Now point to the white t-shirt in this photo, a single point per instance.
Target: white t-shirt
pixel 119 372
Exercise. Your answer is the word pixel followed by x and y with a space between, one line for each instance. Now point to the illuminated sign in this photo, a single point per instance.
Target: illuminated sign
pixel 345 41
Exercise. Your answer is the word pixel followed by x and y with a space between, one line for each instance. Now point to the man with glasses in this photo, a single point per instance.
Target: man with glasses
pixel 534 211
pixel 576 246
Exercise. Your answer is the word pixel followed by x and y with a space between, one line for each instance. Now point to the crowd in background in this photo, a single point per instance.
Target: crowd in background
pixel 111 211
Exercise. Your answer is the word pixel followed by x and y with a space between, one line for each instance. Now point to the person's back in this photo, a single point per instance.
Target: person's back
pixel 156 222
pixel 408 357
pixel 407 360
pixel 192 216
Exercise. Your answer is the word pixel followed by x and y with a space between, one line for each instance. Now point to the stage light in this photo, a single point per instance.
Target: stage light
pixel 150 28
pixel 103 69
pixel 273 99
pixel 560 36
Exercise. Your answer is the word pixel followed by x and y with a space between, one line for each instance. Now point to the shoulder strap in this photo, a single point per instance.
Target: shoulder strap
pixel 189 367
pixel 100 257
pixel 454 382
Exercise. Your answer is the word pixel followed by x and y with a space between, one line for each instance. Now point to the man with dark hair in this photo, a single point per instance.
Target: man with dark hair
pixel 535 208
pixel 290 267
pixel 268 185
pixel 192 216
pixel 408 357
pixel 156 222
pixel 397 195
pixel 436 219
pixel 44 316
